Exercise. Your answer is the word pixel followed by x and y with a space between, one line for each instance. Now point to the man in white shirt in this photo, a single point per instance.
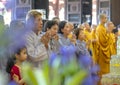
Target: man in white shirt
pixel 36 49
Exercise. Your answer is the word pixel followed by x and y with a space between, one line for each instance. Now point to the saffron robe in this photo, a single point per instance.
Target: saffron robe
pixel 113 44
pixel 104 55
pixel 94 46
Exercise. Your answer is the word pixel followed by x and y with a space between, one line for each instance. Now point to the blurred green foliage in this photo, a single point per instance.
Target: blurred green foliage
pixel 57 74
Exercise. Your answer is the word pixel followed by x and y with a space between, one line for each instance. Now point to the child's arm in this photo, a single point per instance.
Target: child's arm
pixel 16 79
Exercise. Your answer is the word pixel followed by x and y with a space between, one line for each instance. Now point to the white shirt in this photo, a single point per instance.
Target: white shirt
pixel 35 48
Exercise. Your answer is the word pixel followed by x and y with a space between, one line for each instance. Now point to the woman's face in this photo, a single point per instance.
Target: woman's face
pixel 54 30
pixel 71 25
pixel 66 30
pixel 38 23
pixel 81 35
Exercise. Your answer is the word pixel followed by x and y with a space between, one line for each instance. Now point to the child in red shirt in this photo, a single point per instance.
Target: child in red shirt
pixel 14 65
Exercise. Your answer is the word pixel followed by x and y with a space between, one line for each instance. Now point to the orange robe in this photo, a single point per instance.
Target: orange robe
pixel 113 44
pixel 94 46
pixel 88 39
pixel 103 56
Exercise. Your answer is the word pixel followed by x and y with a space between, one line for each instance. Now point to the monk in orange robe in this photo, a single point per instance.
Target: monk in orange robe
pixel 103 56
pixel 94 43
pixel 113 42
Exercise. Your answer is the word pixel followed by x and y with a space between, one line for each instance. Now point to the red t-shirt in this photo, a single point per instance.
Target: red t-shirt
pixel 16 72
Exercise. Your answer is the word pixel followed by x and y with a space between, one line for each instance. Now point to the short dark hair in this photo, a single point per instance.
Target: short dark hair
pixel 61 26
pixel 49 24
pixel 115 30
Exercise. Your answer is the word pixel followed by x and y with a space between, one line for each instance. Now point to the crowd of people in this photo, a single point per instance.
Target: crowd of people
pixel 97 42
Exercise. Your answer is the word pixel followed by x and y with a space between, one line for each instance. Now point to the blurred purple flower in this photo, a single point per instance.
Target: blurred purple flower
pixel 16 39
pixel 9 4
pixel 67 53
pixel 53 56
pixel 94 69
pixel 13 37
pixel 17 32
pixel 85 61
pixel 95 79
pixel 12 83
pixel 88 81
pixel 67 50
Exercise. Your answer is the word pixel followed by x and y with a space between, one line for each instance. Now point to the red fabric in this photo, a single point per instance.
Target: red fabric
pixel 15 71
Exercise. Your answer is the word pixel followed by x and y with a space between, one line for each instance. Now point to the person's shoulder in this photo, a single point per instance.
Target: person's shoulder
pixel 29 34
pixel 99 27
pixel 15 69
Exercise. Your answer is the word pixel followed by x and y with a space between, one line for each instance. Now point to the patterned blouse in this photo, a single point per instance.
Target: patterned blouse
pixel 35 48
pixel 81 48
pixel 54 46
pixel 64 41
